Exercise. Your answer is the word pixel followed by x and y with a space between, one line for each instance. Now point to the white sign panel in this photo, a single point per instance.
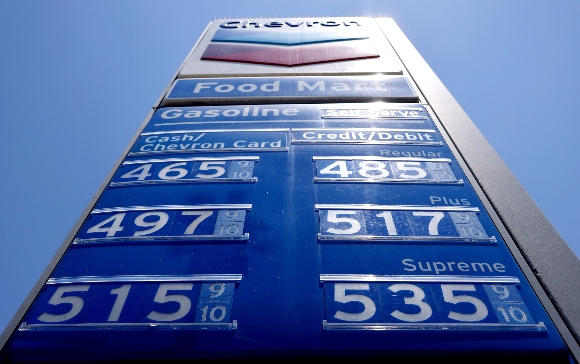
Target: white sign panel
pixel 290 46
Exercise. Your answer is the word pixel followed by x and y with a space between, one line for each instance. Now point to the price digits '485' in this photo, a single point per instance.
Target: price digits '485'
pixel 401 225
pixel 425 303
pixel 184 171
pixel 102 303
pixel 167 224
pixel 383 170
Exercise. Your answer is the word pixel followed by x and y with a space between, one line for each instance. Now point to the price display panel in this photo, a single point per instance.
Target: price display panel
pixel 355 229
pixel 358 302
pixel 135 302
pixel 164 223
pixel 367 169
pixel 185 170
pixel 405 223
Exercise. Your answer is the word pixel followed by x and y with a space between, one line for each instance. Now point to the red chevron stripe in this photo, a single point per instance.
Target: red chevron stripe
pixel 290 56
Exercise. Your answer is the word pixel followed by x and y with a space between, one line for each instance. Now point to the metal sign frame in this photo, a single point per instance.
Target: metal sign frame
pixel 544 257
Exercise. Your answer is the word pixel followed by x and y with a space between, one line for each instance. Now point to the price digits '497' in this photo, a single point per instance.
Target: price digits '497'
pixel 102 303
pixel 426 303
pixel 152 224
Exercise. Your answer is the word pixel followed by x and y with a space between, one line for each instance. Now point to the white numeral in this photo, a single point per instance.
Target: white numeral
pixel 408 166
pixel 470 230
pixel 162 219
pixel 241 174
pixel 162 297
pixel 342 169
pixel 503 291
pixel 213 316
pixel 480 308
pixel 434 223
pixel 57 298
pixel 122 293
pixel 417 300
pixel 333 217
pixel 231 214
pixel 367 166
pixel 172 169
pixel 230 230
pixel 195 223
pixel 217 289
pixel 389 222
pixel 140 176
pixel 514 312
pixel 341 296
pixel 115 227
pixel 207 166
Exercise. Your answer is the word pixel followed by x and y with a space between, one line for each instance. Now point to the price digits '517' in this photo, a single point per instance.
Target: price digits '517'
pixel 388 224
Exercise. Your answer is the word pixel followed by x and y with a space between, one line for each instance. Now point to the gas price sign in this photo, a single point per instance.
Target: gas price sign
pixel 334 222
pixel 295 228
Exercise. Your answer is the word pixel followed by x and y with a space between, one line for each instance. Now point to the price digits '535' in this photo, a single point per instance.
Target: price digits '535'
pixel 428 303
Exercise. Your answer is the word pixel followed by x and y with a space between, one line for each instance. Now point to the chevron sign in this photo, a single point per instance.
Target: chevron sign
pixel 291 47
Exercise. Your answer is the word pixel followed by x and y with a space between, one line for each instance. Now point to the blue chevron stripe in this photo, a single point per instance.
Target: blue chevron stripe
pixel 286 38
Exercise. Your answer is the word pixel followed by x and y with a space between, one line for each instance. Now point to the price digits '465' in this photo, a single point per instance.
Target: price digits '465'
pixel 425 303
pixel 134 303
pixel 135 225
pixel 183 171
pixel 405 225
pixel 384 170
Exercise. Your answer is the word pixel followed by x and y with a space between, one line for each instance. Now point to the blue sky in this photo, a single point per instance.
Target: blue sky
pixel 77 78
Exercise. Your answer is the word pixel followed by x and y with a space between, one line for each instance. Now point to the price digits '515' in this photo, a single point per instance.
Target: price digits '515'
pixel 134 303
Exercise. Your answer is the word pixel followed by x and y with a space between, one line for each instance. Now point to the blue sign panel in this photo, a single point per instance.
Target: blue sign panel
pixel 269 89
pixel 247 230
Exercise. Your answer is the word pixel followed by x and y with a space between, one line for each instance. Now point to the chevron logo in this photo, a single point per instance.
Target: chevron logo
pixel 290 48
